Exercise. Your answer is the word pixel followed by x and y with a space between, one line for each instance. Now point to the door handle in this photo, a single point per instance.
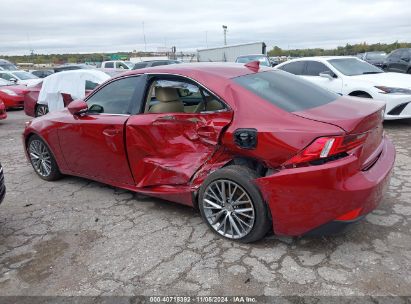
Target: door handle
pixel 111 132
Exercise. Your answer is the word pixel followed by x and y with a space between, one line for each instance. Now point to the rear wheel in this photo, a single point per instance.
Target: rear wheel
pixel 232 206
pixel 41 110
pixel 42 159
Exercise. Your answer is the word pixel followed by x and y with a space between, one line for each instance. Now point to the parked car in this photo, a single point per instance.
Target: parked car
pixel 398 61
pixel 251 147
pixel 2 185
pixel 6 65
pixel 117 64
pixel 42 73
pixel 12 94
pixel 263 59
pixel 19 77
pixel 351 76
pixel 3 113
pixel 374 58
pixel 61 87
pixel 70 67
pixel 153 63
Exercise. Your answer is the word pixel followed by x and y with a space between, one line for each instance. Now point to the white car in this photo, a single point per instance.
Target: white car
pixel 348 75
pixel 117 64
pixel 20 77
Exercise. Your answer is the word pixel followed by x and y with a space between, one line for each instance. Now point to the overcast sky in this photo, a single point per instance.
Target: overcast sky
pixel 63 26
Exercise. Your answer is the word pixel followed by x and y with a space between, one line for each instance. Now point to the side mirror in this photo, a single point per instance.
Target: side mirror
pixel 327 75
pixel 13 80
pixel 77 107
pixel 406 59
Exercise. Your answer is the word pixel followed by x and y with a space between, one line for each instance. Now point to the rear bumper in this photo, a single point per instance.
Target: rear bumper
pixel 302 199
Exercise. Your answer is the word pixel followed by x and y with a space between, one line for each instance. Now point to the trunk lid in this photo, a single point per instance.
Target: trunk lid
pixel 355 116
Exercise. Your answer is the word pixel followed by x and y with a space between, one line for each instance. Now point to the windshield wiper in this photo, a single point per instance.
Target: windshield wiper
pixel 364 73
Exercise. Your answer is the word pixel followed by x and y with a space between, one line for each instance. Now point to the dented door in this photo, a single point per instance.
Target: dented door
pixel 167 149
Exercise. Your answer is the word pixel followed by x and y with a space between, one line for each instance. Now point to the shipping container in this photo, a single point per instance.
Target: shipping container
pixel 230 53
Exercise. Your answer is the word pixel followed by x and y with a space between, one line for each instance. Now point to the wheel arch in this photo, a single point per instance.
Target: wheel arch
pixel 357 93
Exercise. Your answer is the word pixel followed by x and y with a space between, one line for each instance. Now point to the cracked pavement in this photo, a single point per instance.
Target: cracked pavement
pixel 79 237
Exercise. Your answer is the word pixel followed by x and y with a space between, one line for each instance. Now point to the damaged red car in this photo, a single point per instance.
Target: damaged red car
pixel 252 148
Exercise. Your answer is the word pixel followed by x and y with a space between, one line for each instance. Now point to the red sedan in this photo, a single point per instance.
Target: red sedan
pixel 3 114
pixel 12 95
pixel 252 148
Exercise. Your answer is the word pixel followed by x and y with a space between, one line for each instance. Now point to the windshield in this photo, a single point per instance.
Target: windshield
pixel 24 75
pixel 376 56
pixel 262 59
pixel 129 64
pixel 7 66
pixel 353 66
pixel 287 91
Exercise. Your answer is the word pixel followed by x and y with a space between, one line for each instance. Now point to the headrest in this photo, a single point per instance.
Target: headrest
pixel 166 94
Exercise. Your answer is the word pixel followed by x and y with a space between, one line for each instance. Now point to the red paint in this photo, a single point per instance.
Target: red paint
pixel 13 101
pixel 169 155
pixel 350 216
pixel 3 114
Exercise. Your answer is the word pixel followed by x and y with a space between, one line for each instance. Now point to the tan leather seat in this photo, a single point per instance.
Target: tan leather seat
pixel 212 105
pixel 169 101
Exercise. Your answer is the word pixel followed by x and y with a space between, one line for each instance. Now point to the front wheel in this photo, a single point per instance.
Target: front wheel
pixel 42 159
pixel 232 205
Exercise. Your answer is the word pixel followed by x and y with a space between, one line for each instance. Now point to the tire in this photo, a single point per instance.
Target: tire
pixel 253 224
pixel 41 110
pixel 42 159
pixel 409 71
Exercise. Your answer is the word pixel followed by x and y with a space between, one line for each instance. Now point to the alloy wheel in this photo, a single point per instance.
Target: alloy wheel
pixel 41 110
pixel 40 157
pixel 228 209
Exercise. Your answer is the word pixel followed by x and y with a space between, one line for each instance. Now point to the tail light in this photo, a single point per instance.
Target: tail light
pixel 324 149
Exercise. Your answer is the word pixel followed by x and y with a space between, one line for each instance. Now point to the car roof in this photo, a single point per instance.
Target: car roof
pixel 320 58
pixel 199 70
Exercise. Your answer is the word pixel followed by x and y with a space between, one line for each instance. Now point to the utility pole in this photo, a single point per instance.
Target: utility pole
pixel 144 37
pixel 225 34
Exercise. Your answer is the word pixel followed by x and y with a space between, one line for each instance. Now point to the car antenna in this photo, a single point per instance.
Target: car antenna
pixel 253 65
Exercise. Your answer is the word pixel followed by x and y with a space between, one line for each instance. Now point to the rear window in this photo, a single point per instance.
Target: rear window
pixel 286 91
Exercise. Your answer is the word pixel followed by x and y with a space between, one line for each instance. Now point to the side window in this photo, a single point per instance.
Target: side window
pixel 109 65
pixel 295 68
pixel 157 63
pixel 115 97
pixel 180 96
pixel 139 66
pixel 314 68
pixel 5 76
pixel 395 55
pixel 121 65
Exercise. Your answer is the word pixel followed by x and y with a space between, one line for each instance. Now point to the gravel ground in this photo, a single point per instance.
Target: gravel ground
pixel 78 237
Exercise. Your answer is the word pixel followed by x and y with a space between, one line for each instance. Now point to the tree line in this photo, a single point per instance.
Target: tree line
pixel 348 49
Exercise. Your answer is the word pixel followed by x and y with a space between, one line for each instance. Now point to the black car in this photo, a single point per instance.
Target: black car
pixel 398 61
pixel 2 185
pixel 42 73
pixel 70 67
pixel 374 58
pixel 153 63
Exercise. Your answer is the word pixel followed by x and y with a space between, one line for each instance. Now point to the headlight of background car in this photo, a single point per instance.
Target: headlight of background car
pixel 9 92
pixel 388 90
